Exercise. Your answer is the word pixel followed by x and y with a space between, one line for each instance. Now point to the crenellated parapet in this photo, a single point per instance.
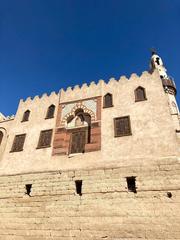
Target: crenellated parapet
pixel 38 98
pixel 96 89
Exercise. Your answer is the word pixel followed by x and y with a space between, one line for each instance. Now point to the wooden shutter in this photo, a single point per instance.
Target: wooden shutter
pixel 45 138
pixel 140 94
pixel 78 140
pixel 108 100
pixel 18 143
pixel 50 112
pixel 26 116
pixel 122 126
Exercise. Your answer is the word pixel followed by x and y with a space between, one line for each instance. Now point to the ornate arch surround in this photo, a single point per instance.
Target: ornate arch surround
pixel 76 107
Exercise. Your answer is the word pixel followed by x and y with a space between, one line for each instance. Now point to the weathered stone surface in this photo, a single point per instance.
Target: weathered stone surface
pixel 106 209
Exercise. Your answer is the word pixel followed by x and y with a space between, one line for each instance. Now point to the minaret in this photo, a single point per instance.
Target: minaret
pixel 169 87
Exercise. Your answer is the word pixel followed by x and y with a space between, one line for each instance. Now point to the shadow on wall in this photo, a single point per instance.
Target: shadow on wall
pixel 3 141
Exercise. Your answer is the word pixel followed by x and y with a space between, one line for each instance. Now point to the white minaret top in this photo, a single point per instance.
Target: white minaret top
pixel 157 63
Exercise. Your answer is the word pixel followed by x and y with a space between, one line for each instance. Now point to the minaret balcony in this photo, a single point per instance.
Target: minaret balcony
pixel 170 84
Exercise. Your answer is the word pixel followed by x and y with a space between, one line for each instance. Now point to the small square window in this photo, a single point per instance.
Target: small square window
pixel 131 184
pixel 45 139
pixel 78 187
pixel 122 126
pixel 28 189
pixel 18 143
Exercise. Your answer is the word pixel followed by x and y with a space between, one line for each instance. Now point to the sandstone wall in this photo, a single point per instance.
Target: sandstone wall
pixel 153 138
pixel 17 161
pixel 106 210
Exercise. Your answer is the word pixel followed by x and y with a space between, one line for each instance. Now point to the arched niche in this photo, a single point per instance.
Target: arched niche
pixel 140 94
pixel 1 137
pixel 79 125
pixel 3 140
pixel 108 100
pixel 26 116
pixel 50 112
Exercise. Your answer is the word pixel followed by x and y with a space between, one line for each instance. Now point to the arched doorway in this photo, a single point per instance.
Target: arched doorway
pixel 80 129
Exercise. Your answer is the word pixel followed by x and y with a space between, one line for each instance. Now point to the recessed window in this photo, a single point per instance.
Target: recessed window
pixel 131 184
pixel 1 137
pixel 50 112
pixel 28 189
pixel 169 194
pixel 45 139
pixel 78 187
pixel 107 100
pixel 26 116
pixel 18 143
pixel 140 94
pixel 122 126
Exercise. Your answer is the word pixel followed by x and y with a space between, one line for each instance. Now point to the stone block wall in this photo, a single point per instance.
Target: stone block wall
pixel 105 210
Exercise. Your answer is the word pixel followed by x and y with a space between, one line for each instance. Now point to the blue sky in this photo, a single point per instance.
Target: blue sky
pixel 51 44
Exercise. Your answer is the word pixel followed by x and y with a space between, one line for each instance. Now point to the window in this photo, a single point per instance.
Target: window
pixel 50 112
pixel 122 126
pixel 1 137
pixel 18 143
pixel 107 101
pixel 45 139
pixel 79 187
pixel 28 189
pixel 131 184
pixel 26 116
pixel 140 94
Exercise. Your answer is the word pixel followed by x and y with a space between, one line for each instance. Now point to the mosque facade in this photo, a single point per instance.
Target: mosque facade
pixel 97 161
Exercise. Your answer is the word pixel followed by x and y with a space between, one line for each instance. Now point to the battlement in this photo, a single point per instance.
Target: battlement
pixel 122 80
pixel 98 89
pixel 38 98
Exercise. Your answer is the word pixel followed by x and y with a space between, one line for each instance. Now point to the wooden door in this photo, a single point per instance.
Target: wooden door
pixel 78 140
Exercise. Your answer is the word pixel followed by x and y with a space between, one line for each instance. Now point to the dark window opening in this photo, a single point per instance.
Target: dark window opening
pixel 122 126
pixel 26 116
pixel 89 134
pixel 45 139
pixel 107 100
pixel 28 189
pixel 50 112
pixel 1 137
pixel 18 143
pixel 169 194
pixel 79 187
pixel 131 184
pixel 140 94
pixel 157 61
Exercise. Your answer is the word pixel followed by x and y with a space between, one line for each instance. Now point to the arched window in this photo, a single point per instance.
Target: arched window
pixel 1 137
pixel 107 101
pixel 26 116
pixel 50 112
pixel 140 94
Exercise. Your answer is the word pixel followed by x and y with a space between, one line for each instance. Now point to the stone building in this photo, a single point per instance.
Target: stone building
pixel 94 162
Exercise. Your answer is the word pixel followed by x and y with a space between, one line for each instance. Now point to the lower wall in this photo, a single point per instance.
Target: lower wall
pixel 106 210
